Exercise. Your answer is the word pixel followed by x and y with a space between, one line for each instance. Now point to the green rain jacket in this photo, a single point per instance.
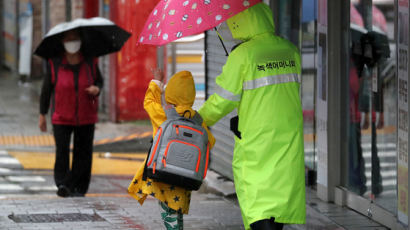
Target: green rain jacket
pixel 262 79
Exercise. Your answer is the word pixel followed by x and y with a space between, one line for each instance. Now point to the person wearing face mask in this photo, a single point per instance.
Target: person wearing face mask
pixel 70 91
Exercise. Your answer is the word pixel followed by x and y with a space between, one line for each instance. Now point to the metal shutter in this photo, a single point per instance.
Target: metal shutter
pixel 215 58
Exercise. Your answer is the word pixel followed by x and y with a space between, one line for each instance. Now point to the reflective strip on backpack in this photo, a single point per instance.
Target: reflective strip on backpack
pixel 271 80
pixel 207 160
pixel 156 145
pixel 226 94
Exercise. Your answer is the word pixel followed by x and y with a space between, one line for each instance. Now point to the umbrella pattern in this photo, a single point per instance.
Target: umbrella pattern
pixel 174 19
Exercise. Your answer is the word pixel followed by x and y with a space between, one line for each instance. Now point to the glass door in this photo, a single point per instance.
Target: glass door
pixel 372 152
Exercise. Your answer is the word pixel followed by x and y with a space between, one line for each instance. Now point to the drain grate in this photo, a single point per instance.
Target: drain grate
pixel 52 218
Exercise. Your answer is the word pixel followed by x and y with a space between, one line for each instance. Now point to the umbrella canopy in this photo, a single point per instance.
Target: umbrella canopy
pixel 174 19
pixel 99 36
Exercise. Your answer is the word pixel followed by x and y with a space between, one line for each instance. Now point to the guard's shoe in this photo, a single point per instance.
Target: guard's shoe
pixel 63 191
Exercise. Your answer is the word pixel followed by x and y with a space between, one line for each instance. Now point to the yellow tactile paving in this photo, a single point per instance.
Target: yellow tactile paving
pixel 309 137
pixel 118 139
pixel 123 138
pixel 48 140
pixel 113 164
pixel 384 130
pixel 41 140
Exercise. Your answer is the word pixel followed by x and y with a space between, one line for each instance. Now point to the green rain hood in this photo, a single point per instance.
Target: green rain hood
pixel 261 78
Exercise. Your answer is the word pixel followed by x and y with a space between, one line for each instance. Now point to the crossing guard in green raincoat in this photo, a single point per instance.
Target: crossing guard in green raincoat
pixel 261 78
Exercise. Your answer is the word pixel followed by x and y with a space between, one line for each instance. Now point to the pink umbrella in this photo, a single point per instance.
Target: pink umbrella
pixel 378 19
pixel 355 16
pixel 174 19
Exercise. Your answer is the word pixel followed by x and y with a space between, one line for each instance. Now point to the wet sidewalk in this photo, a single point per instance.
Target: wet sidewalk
pixel 19 111
pixel 208 211
pixel 108 206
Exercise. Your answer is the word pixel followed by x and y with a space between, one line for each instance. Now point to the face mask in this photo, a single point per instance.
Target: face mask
pixel 72 46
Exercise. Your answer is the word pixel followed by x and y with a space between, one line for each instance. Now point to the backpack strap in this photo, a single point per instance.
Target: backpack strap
pixel 144 174
pixel 171 112
pixel 197 118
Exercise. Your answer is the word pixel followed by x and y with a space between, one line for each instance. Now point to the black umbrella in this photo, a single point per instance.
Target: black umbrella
pixel 99 36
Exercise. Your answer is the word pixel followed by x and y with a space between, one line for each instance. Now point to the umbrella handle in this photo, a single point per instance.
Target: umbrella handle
pixel 220 39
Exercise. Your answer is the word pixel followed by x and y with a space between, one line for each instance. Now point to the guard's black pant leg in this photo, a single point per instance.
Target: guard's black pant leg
pixel 82 158
pixel 267 224
pixel 62 136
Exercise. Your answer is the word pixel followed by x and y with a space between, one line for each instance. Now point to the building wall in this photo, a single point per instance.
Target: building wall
pixel 104 64
pixel 57 12
pixel 1 36
pixel 36 64
pixel 9 32
pixel 77 9
pixel 57 15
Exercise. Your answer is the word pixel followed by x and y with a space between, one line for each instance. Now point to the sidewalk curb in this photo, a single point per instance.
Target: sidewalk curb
pixel 217 184
pixel 125 146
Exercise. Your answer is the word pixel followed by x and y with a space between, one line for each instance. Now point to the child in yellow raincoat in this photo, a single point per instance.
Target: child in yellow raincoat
pixel 179 92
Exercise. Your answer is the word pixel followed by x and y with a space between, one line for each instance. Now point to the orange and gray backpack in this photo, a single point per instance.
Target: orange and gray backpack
pixel 180 152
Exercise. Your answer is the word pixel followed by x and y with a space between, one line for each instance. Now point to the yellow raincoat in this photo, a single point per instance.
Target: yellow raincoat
pixel 180 92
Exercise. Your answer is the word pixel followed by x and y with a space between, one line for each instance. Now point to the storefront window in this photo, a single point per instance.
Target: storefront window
pixel 308 51
pixel 372 169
